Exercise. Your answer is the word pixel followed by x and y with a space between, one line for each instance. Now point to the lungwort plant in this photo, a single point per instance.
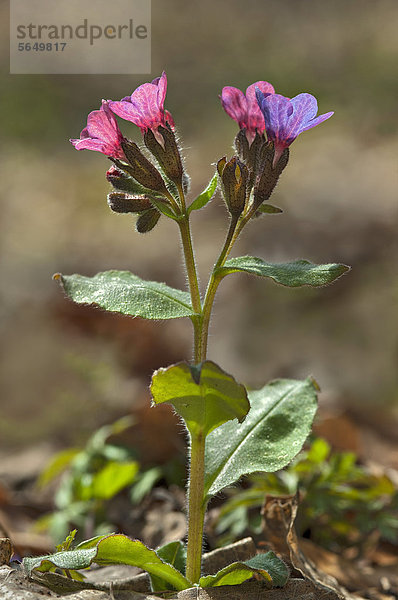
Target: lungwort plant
pixel 232 432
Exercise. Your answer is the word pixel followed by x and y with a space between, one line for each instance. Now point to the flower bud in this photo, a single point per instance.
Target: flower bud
pixel 250 155
pixel 234 175
pixel 124 203
pixel 141 169
pixel 123 182
pixel 167 155
pixel 269 177
pixel 147 221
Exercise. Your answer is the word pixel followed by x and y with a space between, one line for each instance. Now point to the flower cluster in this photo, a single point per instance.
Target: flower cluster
pixel 144 108
pixel 268 124
pixel 262 110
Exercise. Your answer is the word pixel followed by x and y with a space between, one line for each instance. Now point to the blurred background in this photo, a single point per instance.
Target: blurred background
pixel 67 369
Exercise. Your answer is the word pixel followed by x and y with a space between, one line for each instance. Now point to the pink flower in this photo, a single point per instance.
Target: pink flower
pixel 244 109
pixel 102 133
pixel 285 118
pixel 145 107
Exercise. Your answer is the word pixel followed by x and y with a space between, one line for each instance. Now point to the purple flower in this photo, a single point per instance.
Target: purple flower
pixel 285 118
pixel 244 108
pixel 145 107
pixel 102 133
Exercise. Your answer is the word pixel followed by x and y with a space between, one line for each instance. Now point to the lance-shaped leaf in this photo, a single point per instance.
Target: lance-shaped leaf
pixel 273 432
pixel 205 196
pixel 123 292
pixel 267 565
pixel 293 274
pixel 203 395
pixel 109 550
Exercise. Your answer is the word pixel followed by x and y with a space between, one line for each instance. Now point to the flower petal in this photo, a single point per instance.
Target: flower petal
pixel 102 124
pixel 305 108
pixel 276 110
pixel 255 119
pixel 126 111
pixel 145 101
pixel 316 121
pixel 168 117
pixel 91 144
pixel 234 103
pixel 162 89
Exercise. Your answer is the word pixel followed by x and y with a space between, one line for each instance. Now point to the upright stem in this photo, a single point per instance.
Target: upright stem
pixel 214 282
pixel 189 257
pixel 201 320
pixel 196 508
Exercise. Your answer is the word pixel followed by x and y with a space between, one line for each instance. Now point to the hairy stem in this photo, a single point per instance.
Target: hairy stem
pixel 186 238
pixel 196 505
pixel 214 282
pixel 196 508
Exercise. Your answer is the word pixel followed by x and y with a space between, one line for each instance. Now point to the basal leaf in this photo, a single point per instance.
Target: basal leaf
pixel 110 550
pixel 123 292
pixel 268 565
pixel 204 396
pixel 205 196
pixel 175 554
pixel 273 432
pixel 293 274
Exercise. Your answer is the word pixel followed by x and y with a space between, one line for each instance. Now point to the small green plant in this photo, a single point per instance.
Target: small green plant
pixel 231 432
pixel 91 477
pixel 341 502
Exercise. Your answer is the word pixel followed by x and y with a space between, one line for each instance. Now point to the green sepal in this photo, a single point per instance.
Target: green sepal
pixel 269 209
pixel 292 274
pixel 123 292
pixel 271 568
pixel 205 196
pixel 273 433
pixel 109 550
pixel 164 207
pixel 203 395
pixel 147 220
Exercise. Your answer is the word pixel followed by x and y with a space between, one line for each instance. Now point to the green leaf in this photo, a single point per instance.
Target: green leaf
pixel 57 465
pixel 144 484
pixel 164 207
pixel 123 292
pixel 294 274
pixel 66 544
pixel 112 549
pixel 175 554
pixel 204 395
pixel 268 565
pixel 205 196
pixel 269 209
pixel 272 434
pixel 113 478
